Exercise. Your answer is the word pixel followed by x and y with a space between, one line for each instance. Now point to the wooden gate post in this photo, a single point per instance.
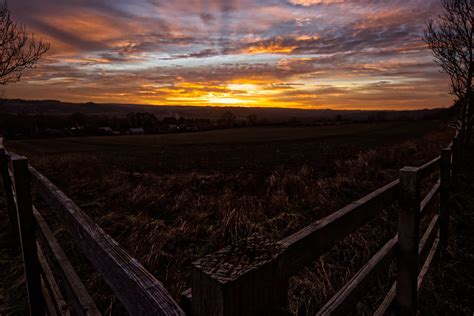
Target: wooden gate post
pixel 445 174
pixel 408 239
pixel 7 188
pixel 242 279
pixel 27 232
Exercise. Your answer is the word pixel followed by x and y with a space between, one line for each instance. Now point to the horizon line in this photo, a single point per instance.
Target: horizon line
pixel 231 106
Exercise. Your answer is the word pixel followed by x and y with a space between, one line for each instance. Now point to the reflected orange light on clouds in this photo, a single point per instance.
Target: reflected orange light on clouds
pixel 271 53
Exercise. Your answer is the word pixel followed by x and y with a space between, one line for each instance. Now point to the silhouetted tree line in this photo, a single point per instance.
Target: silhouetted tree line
pixel 79 124
pixel 27 124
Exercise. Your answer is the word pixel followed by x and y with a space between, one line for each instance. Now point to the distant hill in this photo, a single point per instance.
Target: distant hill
pixel 54 107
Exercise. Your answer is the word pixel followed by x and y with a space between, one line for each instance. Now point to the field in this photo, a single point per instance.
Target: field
pixel 228 150
pixel 170 199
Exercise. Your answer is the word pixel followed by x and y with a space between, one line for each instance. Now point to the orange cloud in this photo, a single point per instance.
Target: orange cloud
pixel 242 52
pixel 275 46
pixel 307 3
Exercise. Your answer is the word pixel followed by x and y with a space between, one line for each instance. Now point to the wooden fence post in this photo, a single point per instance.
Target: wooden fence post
pixel 408 239
pixel 7 188
pixel 242 279
pixel 455 165
pixel 27 232
pixel 445 175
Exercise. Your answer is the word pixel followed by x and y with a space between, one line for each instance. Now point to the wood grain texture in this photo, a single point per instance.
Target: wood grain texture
pixel 49 302
pixel 429 167
pixel 387 307
pixel 309 243
pixel 241 279
pixel 139 291
pixel 77 295
pixel 429 203
pixel 7 189
pixel 186 301
pixel 408 239
pixel 251 278
pixel 427 263
pixel 426 241
pixel 59 303
pixel 27 232
pixel 444 209
pixel 357 287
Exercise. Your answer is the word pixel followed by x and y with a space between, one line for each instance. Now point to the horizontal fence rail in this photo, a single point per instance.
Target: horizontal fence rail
pixel 357 287
pixel 250 277
pixel 325 233
pixel 429 167
pixel 137 289
pixel 210 295
pixel 78 297
pixel 429 239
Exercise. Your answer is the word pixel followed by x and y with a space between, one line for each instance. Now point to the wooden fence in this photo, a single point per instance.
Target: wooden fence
pixel 62 292
pixel 252 277
pixel 247 278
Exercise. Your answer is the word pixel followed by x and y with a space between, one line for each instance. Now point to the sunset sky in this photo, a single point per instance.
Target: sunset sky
pixel 341 54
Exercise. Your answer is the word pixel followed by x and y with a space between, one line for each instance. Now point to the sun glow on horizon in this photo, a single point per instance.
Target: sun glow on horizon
pixel 273 53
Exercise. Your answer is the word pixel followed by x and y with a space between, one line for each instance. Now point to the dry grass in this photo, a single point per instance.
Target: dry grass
pixel 168 220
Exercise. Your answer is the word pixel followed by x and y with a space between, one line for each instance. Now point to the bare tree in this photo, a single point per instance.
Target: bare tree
pixel 450 37
pixel 18 49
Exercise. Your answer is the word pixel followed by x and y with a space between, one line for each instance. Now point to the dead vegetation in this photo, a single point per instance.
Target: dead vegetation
pixel 168 221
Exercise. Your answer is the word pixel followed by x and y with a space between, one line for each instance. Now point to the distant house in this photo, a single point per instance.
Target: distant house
pixel 188 127
pixel 106 130
pixel 75 130
pixel 173 127
pixel 53 132
pixel 136 131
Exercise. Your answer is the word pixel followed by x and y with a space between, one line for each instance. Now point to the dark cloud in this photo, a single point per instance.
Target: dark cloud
pixel 283 52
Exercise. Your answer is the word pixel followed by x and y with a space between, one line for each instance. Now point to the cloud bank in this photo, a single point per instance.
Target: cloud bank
pixel 361 54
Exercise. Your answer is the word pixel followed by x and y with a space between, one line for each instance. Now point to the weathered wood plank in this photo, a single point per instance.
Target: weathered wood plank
pixel 342 302
pixel 408 240
pixel 139 291
pixel 186 301
pixel 429 167
pixel 242 279
pixel 357 287
pixel 27 233
pixel 50 308
pixel 428 261
pixel 450 145
pixel 77 294
pixel 7 189
pixel 309 243
pixel 429 202
pixel 49 281
pixel 444 209
pixel 387 305
pixel 428 237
